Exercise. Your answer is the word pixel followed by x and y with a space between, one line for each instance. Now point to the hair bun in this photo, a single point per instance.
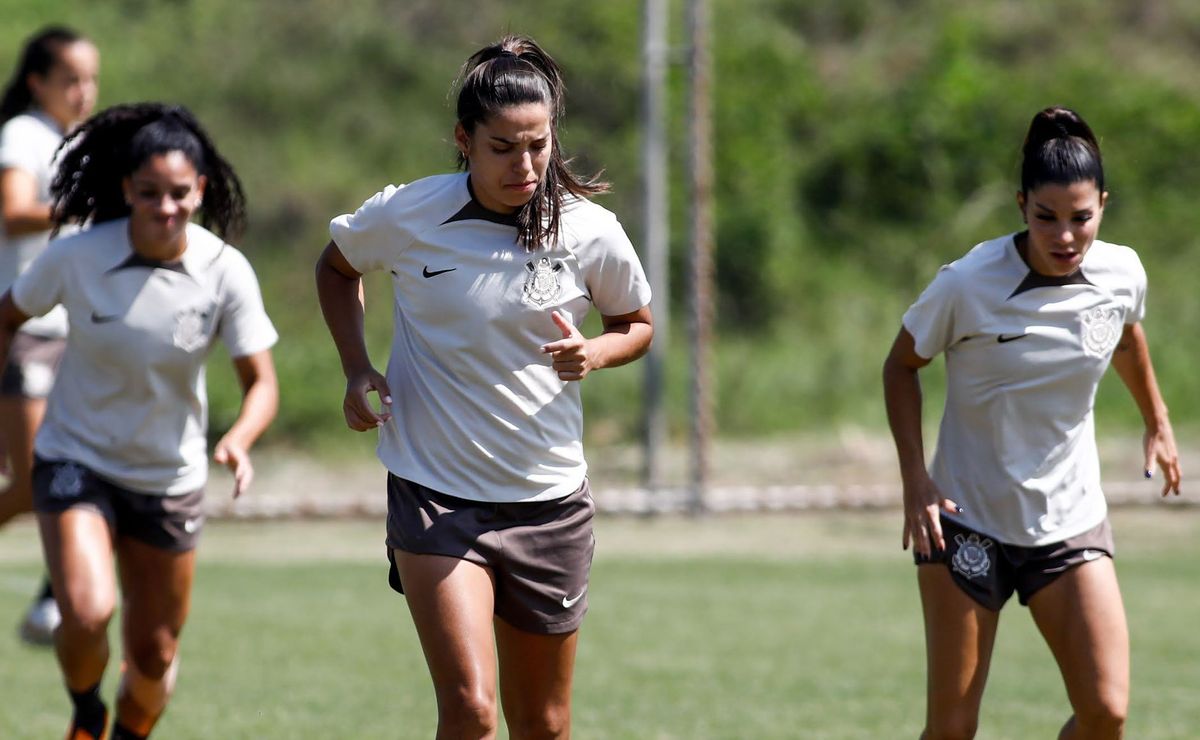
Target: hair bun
pixel 1057 122
pixel 1060 148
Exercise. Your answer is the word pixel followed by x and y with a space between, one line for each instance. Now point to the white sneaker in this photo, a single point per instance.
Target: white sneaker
pixel 40 622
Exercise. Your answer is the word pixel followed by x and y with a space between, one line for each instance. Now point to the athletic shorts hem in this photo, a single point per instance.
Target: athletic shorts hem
pixel 1024 597
pixel 978 599
pixel 564 627
pixel 394 572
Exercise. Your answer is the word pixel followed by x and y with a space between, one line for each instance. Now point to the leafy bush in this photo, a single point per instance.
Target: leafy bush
pixel 859 144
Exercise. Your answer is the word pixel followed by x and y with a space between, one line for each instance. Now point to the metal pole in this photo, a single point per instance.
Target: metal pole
pixel 654 193
pixel 700 177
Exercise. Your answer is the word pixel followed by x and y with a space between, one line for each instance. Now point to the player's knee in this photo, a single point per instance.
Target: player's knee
pixel 85 618
pixel 1104 716
pixel 152 655
pixel 466 711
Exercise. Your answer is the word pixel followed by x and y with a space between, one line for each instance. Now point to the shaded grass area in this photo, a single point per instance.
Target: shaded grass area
pixel 770 627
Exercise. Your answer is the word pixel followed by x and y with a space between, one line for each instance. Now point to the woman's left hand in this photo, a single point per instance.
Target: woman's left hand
pixel 237 459
pixel 571 358
pixel 1158 444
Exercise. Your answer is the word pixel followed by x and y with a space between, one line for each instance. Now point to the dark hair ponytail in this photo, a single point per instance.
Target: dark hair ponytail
pixel 39 56
pixel 110 145
pixel 1060 148
pixel 516 71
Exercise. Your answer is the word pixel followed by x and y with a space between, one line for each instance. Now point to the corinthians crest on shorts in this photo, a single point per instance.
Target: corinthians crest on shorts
pixel 1101 330
pixel 971 559
pixel 67 481
pixel 544 283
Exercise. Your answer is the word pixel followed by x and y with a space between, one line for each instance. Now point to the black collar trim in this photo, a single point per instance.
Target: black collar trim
pixel 475 211
pixel 137 260
pixel 1037 280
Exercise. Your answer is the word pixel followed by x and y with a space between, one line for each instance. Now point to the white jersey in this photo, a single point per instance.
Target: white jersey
pixel 1024 356
pixel 130 401
pixel 478 410
pixel 28 142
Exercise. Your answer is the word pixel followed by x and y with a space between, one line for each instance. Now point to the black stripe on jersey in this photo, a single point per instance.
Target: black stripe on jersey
pixel 1037 280
pixel 136 260
pixel 474 211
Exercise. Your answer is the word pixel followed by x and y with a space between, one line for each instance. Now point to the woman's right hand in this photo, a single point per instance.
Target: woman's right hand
pixel 923 504
pixel 360 416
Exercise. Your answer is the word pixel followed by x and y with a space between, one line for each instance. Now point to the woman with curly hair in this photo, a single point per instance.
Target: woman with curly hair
pixel 121 458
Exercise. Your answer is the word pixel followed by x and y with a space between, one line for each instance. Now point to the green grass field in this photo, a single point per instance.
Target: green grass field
pixel 787 626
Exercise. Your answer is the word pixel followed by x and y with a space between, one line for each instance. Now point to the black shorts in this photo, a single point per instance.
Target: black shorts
pixel 166 522
pixel 540 553
pixel 32 366
pixel 989 571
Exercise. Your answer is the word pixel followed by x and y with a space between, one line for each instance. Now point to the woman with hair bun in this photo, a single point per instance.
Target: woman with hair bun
pixel 1029 322
pixel 121 459
pixel 53 88
pixel 489 529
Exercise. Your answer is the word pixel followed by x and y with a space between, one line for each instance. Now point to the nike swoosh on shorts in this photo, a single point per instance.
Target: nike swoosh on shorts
pixel 568 602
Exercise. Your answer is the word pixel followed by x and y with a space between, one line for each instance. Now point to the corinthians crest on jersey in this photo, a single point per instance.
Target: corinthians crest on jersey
pixel 544 283
pixel 1101 329
pixel 193 327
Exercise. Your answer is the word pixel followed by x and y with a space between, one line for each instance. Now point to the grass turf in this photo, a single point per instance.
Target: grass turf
pixel 803 626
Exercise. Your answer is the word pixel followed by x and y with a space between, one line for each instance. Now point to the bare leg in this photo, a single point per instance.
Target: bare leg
pixel 19 422
pixel 959 636
pixel 1082 617
pixel 157 587
pixel 78 548
pixel 535 682
pixel 451 601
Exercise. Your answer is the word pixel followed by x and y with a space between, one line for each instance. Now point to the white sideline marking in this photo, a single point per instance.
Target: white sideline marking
pixel 638 500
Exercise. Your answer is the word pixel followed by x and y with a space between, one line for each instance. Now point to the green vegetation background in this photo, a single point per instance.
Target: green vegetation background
pixel 859 145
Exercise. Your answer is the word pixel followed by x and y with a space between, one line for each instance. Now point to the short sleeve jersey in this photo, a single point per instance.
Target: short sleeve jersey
pixel 130 400
pixel 1024 357
pixel 478 410
pixel 28 142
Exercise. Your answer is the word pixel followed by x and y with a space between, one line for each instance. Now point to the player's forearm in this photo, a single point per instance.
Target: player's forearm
pixel 11 319
pixel 1131 359
pixel 621 343
pixel 20 209
pixel 902 396
pixel 260 399
pixel 341 305
pixel 31 220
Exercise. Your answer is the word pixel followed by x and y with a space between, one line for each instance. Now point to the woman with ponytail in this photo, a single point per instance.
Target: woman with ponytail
pixel 120 461
pixel 489 530
pixel 52 89
pixel 1029 322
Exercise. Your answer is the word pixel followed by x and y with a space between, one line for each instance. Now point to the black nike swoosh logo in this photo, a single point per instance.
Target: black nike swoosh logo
pixel 426 272
pixel 1002 339
pixel 98 319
